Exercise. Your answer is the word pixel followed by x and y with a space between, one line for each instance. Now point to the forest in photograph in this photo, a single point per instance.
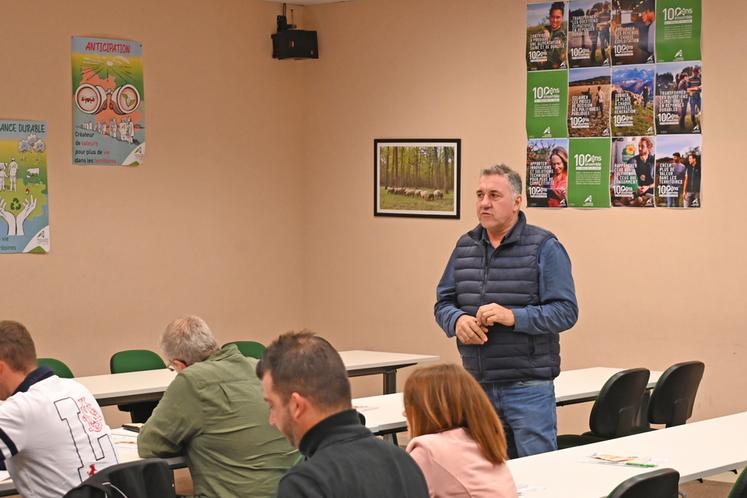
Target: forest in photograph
pixel 417 177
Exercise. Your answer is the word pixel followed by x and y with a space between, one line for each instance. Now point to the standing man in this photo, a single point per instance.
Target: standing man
pixel 644 171
pixel 52 433
pixel 694 87
pixel 604 18
pixel 692 183
pixel 307 387
pixel 680 172
pixel 506 294
pixel 213 414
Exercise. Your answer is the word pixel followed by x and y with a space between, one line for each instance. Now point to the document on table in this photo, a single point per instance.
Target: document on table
pixel 4 475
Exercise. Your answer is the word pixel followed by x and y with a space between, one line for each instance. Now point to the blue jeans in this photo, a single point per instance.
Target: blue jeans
pixel 527 411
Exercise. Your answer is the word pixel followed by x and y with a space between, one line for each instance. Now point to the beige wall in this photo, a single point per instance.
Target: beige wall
pixel 654 287
pixel 210 224
pixel 254 207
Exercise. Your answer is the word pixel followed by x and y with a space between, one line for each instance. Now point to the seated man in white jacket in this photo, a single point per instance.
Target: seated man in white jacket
pixel 52 433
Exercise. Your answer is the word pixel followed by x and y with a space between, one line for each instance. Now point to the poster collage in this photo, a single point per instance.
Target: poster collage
pixel 613 115
pixel 108 129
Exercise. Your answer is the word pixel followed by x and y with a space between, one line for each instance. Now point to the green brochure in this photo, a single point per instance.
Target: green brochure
pixel 589 173
pixel 547 97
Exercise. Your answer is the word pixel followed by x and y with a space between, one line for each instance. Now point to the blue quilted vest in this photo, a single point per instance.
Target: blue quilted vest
pixel 508 276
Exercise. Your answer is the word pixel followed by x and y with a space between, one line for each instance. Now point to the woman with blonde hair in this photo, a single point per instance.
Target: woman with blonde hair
pixel 458 439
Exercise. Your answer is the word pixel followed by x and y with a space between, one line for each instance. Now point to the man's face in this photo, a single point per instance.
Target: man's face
pixel 643 148
pixel 280 416
pixel 496 204
pixel 556 19
pixel 692 160
pixel 677 158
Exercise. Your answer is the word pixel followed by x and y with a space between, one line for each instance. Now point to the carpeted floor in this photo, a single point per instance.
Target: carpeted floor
pixel 706 489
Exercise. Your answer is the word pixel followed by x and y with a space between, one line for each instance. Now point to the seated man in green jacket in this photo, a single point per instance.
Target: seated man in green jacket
pixel 213 414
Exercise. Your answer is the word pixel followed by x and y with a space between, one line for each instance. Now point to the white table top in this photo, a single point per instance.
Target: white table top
pixel 108 386
pixel 695 450
pixel 384 412
pixel 361 360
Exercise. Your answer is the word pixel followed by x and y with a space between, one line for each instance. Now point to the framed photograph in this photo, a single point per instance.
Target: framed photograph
pixel 417 177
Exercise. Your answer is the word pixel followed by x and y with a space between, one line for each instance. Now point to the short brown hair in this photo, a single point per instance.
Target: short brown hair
pixel 16 346
pixel 305 363
pixel 444 397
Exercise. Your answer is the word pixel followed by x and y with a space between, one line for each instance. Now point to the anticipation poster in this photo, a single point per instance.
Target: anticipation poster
pixel 678 97
pixel 547 172
pixel 634 33
pixel 24 207
pixel 589 24
pixel 108 102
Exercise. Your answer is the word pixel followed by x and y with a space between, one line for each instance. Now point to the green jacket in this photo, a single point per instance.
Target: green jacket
pixel 213 413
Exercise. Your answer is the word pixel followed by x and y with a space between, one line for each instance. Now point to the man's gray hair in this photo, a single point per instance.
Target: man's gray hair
pixel 512 176
pixel 188 339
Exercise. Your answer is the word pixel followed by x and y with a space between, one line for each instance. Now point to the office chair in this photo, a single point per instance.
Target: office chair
pixel 58 367
pixel 251 349
pixel 739 490
pixel 661 483
pixel 615 410
pixel 673 398
pixel 146 478
pixel 136 360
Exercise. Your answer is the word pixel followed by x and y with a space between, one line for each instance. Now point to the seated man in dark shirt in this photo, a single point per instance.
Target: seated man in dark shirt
pixel 307 388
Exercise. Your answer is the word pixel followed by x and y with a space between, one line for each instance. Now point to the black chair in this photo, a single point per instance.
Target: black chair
pixel 615 410
pixel 148 478
pixel 672 401
pixel 739 490
pixel 660 483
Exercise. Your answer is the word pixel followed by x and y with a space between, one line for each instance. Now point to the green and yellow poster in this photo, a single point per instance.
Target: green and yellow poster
pixel 108 102
pixel 24 207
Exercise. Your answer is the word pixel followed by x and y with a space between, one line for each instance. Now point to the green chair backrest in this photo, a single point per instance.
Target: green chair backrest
pixel 135 360
pixel 740 487
pixel 252 349
pixel 59 368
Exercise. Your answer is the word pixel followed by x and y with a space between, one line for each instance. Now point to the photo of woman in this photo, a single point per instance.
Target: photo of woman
pixel 558 184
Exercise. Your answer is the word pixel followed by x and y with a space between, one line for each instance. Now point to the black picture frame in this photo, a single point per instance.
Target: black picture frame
pixel 417 177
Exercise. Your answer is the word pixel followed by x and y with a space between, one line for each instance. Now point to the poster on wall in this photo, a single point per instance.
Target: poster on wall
pixel 588 173
pixel 547 94
pixel 678 97
pixel 108 102
pixel 633 100
pixel 547 173
pixel 589 102
pixel 589 33
pixel 547 38
pixel 678 25
pixel 678 171
pixel 24 208
pixel 632 179
pixel 634 32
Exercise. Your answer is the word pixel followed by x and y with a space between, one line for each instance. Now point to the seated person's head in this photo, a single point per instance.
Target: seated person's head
pixel 186 341
pixel 444 397
pixel 304 381
pixel 17 356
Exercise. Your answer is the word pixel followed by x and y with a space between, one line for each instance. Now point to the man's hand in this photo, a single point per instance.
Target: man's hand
pixel 490 314
pixel 468 331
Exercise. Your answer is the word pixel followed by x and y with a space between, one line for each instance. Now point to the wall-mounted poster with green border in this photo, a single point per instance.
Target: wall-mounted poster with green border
pixel 24 206
pixel 678 25
pixel 547 94
pixel 589 173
